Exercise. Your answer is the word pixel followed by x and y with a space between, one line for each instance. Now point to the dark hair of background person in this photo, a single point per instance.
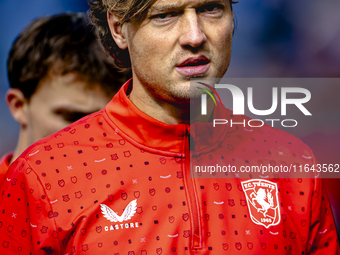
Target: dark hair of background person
pixel 62 43
pixel 125 10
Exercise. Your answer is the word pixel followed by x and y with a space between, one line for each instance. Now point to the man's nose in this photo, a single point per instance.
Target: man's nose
pixel 191 31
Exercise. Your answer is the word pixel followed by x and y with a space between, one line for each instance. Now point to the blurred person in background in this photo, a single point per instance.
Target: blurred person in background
pixel 58 73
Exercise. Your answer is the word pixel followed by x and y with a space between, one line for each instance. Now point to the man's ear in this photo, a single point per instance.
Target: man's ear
pixel 117 31
pixel 17 105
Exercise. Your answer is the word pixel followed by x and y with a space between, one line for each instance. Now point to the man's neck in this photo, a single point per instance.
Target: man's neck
pixel 162 111
pixel 167 112
pixel 21 145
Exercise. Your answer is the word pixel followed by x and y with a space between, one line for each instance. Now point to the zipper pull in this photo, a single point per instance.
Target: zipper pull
pixel 191 141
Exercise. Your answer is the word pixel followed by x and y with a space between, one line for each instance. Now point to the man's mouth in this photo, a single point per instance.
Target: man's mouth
pixel 193 66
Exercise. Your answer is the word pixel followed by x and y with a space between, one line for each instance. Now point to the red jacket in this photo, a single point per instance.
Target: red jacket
pixel 118 182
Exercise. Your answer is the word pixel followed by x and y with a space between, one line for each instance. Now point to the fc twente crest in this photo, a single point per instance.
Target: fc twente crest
pixel 263 202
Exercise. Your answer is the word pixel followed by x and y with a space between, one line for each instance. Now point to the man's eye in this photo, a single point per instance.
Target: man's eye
pixel 163 16
pixel 211 8
pixel 71 116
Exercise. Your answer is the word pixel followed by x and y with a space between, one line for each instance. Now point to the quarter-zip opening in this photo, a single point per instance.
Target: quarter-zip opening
pixel 194 209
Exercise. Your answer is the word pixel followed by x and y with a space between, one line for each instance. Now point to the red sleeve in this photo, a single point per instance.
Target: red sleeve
pixel 323 237
pixel 26 217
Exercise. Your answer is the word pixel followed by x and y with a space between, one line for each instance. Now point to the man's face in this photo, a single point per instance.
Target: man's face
pixel 59 101
pixel 178 40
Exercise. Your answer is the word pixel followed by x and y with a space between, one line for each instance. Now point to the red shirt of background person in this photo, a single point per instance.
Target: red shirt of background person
pixel 58 73
pixel 118 181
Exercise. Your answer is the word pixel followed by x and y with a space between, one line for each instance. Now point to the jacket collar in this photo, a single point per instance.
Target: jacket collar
pixel 151 134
